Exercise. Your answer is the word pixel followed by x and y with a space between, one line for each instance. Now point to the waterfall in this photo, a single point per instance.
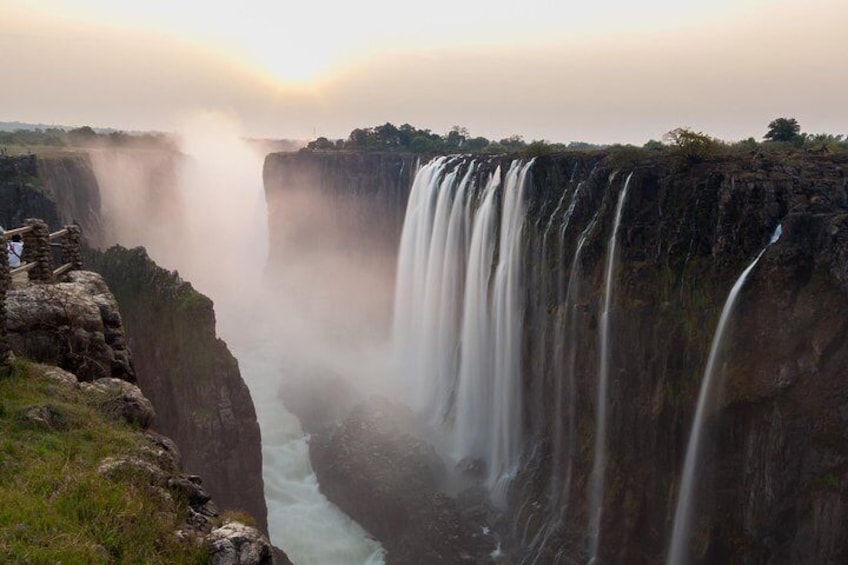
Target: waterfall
pixel 600 460
pixel 414 250
pixel 564 369
pixel 709 384
pixel 560 372
pixel 458 309
pixel 508 320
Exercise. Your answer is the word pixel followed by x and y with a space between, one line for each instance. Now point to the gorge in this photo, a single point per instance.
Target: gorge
pixel 773 466
pixel 549 321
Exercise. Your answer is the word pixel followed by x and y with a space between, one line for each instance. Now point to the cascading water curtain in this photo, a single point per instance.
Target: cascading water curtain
pixel 459 310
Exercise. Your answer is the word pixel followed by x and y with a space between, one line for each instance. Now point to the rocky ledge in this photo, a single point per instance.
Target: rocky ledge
pixel 76 328
pixel 229 542
pixel 373 467
pixel 75 325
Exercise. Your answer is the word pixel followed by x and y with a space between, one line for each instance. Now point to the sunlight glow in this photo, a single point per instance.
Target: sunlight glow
pixel 297 42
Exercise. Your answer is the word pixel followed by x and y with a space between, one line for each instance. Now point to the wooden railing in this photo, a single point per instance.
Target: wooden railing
pixel 37 261
pixel 38 245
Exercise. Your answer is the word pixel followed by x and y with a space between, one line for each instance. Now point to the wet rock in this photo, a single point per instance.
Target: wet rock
pixel 375 469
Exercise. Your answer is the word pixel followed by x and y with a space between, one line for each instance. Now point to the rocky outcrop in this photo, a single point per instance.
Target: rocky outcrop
pixel 234 543
pixel 75 325
pixel 63 189
pixel 229 543
pixel 122 400
pixel 375 468
pixel 190 376
pixel 83 307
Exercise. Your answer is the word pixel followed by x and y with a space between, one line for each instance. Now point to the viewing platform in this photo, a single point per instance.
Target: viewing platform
pixel 42 252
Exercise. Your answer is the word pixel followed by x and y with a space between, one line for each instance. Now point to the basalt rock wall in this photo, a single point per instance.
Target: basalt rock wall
pixel 59 189
pixel 317 199
pixel 190 376
pixel 773 483
pixel 771 466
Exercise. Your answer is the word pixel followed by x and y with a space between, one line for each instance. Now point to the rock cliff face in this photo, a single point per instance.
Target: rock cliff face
pixel 686 235
pixel 190 376
pixel 317 199
pixel 773 485
pixel 62 189
pixel 59 189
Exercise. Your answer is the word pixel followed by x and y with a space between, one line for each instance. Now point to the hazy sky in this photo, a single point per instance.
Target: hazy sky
pixel 599 71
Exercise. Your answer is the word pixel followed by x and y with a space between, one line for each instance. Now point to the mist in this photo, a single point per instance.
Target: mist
pixel 319 312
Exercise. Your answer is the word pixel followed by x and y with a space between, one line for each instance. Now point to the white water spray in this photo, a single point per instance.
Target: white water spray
pixel 214 230
pixel 463 371
pixel 710 381
pixel 596 489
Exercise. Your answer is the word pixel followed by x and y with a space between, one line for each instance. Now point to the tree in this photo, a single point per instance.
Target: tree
pixel 691 146
pixel 456 137
pixel 783 129
pixel 82 135
pixel 321 144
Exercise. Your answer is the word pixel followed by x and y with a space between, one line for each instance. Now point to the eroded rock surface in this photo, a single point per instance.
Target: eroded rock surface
pixel 75 325
pixel 374 467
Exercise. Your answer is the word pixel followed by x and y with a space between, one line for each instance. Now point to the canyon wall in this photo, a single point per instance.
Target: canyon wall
pixel 773 481
pixel 190 376
pixel 773 462
pixel 60 190
pixel 188 373
pixel 358 193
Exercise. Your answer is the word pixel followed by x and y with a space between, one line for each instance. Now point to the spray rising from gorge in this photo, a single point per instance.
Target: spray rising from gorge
pixel 548 323
pixel 204 213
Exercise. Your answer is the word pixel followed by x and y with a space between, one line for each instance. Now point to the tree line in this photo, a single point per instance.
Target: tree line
pixel 408 138
pixel 84 136
pixel 690 145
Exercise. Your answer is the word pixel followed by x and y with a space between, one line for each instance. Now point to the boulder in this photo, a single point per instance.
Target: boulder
pixel 122 400
pixel 237 544
pixel 74 325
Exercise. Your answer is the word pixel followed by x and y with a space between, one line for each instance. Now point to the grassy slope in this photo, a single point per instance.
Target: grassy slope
pixel 54 506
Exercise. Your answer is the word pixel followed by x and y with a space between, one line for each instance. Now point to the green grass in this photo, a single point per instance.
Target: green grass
pixel 42 150
pixel 54 506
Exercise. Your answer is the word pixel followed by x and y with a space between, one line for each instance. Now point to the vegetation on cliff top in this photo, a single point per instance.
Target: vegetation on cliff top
pixel 57 140
pixel 55 507
pixel 684 143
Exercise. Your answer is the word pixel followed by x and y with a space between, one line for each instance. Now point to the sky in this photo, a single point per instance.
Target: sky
pixel 605 71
